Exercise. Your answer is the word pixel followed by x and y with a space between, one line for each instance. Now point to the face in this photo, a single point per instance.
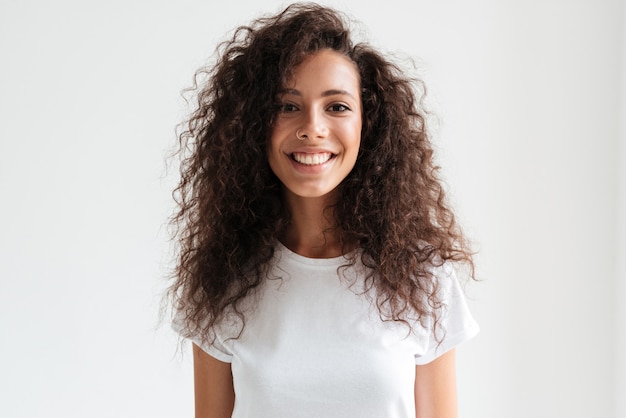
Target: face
pixel 317 132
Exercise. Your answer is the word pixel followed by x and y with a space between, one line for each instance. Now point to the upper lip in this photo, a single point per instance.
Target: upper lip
pixel 311 150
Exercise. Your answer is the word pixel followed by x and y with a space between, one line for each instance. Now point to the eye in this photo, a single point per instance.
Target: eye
pixel 286 107
pixel 338 107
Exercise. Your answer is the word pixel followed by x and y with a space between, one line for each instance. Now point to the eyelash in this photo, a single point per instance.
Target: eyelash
pixel 282 107
pixel 343 107
pixel 289 107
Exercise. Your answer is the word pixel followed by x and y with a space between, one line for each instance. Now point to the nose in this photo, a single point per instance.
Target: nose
pixel 314 125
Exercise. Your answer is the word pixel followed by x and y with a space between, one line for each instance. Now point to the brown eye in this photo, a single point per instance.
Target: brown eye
pixel 338 107
pixel 286 107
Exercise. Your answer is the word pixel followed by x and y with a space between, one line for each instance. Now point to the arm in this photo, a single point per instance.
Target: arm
pixel 213 386
pixel 435 388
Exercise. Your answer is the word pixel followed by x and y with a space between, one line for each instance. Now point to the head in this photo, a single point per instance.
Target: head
pixel 259 64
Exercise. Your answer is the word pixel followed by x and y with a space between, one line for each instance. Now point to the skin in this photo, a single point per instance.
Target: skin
pixel 435 388
pixel 320 119
pixel 213 386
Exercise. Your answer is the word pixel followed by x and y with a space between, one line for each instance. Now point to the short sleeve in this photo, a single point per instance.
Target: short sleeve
pixel 216 349
pixel 456 324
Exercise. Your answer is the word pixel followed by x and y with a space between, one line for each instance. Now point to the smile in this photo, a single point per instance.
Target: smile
pixel 312 159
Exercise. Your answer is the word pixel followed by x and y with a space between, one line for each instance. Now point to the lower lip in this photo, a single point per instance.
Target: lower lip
pixel 311 169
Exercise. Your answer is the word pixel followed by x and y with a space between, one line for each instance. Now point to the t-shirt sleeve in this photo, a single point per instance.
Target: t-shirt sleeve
pixel 216 348
pixel 456 324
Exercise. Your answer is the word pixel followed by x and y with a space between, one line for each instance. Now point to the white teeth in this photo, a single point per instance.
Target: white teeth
pixel 311 159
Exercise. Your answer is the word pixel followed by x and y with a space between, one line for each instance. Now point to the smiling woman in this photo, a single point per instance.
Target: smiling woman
pixel 317 253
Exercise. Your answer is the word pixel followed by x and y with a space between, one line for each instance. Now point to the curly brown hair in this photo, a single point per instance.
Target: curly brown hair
pixel 231 207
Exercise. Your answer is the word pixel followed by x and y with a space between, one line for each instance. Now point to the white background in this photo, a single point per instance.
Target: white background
pixel 531 134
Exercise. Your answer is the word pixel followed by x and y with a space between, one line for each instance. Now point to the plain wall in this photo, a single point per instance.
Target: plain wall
pixel 530 132
pixel 620 278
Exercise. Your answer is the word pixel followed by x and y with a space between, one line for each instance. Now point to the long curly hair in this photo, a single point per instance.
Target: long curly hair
pixel 230 204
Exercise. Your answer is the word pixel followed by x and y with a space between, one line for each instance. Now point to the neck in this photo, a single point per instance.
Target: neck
pixel 312 231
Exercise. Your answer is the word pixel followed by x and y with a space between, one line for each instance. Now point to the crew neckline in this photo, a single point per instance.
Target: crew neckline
pixel 332 261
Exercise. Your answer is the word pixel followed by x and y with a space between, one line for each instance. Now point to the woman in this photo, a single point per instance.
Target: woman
pixel 315 269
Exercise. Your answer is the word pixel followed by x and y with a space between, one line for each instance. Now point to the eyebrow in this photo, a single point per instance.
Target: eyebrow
pixel 332 92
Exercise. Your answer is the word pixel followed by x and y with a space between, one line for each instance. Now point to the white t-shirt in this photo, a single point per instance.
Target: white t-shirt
pixel 315 346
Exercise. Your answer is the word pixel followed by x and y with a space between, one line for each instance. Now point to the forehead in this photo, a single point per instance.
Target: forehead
pixel 326 67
